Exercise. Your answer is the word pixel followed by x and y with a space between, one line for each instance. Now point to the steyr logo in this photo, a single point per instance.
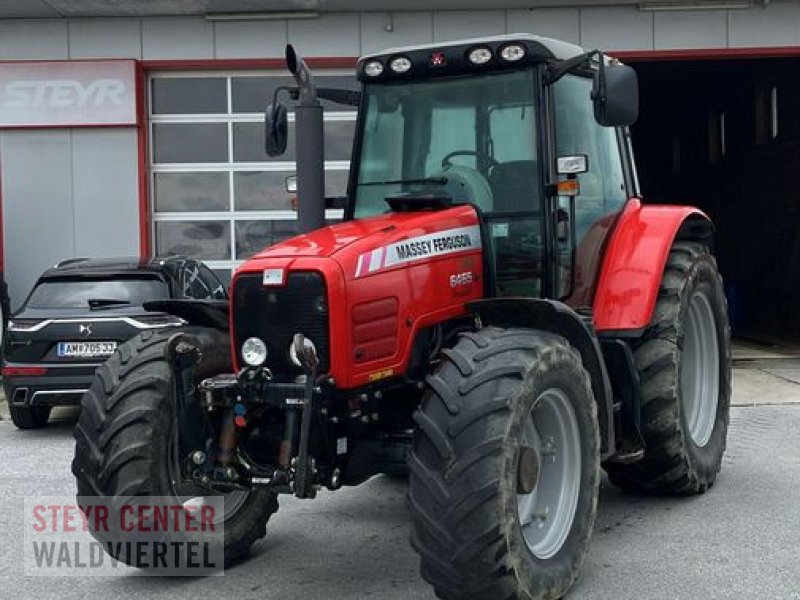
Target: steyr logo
pixel 63 93
pixel 85 330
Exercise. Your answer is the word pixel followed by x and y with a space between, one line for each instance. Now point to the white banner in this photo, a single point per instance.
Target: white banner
pixel 103 536
pixel 68 93
pixel 430 245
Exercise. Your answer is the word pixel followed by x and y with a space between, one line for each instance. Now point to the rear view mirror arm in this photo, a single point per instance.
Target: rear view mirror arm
pixel 559 69
pixel 339 96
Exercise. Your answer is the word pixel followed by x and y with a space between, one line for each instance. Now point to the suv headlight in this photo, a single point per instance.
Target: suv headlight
pixel 24 324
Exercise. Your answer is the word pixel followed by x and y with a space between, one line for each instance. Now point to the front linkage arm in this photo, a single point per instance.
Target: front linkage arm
pixel 304 467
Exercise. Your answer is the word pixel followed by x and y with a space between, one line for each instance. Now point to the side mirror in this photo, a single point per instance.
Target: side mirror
pixel 616 95
pixel 276 129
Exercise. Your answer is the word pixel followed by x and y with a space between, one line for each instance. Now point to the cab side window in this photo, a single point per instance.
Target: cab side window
pixel 603 186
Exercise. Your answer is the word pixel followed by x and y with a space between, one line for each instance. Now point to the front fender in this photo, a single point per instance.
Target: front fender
pixel 558 318
pixel 634 262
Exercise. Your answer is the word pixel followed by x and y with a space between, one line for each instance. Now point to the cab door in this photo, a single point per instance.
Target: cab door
pixel 583 222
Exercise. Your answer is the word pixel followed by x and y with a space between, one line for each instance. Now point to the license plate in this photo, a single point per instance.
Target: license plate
pixel 85 349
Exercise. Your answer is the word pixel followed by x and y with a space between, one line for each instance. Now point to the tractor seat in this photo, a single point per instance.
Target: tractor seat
pixel 465 184
pixel 516 186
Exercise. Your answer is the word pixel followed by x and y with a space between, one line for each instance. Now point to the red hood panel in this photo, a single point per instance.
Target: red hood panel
pixel 367 234
pixel 324 242
pixel 387 278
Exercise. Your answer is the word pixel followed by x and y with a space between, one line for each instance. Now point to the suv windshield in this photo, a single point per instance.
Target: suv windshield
pixel 78 292
pixel 470 138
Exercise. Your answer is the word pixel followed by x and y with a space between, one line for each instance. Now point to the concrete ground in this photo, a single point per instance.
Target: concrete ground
pixel 740 540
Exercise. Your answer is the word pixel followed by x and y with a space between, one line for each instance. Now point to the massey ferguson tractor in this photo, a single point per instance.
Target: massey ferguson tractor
pixel 498 315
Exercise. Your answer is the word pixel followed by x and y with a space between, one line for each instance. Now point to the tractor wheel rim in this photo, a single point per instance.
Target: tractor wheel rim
pixel 700 369
pixel 547 513
pixel 232 502
pixel 188 493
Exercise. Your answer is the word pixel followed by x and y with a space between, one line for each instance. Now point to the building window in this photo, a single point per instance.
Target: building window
pixel 677 154
pixel 215 194
pixel 717 142
pixel 767 118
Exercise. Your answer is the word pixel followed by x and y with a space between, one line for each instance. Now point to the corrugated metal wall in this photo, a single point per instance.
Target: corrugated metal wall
pixel 66 193
pixel 351 34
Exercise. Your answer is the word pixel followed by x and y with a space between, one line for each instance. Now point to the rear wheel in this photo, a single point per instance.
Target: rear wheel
pixel 125 440
pixel 505 468
pixel 683 361
pixel 28 417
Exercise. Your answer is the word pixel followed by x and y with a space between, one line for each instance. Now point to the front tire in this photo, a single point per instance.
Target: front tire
pixel 684 365
pixel 505 468
pixel 123 439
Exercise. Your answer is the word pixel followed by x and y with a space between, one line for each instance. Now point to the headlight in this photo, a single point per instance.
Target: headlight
pixel 254 352
pixel 400 64
pixel 158 320
pixel 512 52
pixel 24 324
pixel 480 56
pixel 373 68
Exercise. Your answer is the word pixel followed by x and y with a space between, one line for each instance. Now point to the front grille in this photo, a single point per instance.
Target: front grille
pixel 275 314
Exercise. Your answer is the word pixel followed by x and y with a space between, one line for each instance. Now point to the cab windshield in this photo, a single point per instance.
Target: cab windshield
pixel 470 138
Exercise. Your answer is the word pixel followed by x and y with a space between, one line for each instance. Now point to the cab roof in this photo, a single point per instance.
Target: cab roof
pixel 556 49
pixel 451 58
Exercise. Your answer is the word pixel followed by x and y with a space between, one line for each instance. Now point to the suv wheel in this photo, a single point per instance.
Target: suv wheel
pixel 29 417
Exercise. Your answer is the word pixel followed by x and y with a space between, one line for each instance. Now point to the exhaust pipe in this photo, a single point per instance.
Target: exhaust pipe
pixel 309 142
pixel 20 397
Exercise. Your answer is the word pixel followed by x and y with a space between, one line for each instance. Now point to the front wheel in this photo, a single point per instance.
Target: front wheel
pixel 505 468
pixel 124 438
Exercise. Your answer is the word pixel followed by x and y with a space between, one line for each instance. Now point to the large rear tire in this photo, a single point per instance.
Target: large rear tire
pixel 124 436
pixel 684 365
pixel 505 468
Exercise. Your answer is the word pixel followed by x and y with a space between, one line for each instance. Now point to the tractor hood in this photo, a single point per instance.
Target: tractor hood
pixel 366 246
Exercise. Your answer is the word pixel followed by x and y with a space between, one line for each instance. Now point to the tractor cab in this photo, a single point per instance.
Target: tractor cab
pixel 507 125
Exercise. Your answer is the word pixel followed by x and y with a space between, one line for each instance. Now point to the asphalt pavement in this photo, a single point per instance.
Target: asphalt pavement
pixel 740 540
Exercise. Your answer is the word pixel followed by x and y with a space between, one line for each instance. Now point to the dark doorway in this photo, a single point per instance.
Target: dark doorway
pixel 725 135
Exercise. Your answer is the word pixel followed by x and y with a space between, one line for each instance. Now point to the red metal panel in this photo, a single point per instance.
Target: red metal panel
pixel 142 137
pixel 427 278
pixel 634 265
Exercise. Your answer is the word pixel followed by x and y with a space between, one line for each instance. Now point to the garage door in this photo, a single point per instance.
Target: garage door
pixel 724 135
pixel 215 193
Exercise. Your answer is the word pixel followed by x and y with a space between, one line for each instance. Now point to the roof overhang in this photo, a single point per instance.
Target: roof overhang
pixel 266 9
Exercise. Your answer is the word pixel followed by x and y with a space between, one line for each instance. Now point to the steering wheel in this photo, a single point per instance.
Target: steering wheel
pixel 446 160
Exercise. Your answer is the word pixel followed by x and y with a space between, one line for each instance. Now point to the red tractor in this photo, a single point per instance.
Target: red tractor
pixel 498 314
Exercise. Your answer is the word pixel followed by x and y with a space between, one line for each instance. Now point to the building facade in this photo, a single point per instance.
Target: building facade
pixel 155 142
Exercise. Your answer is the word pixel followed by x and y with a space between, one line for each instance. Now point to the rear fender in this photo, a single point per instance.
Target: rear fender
pixel 558 318
pixel 634 262
pixel 205 313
